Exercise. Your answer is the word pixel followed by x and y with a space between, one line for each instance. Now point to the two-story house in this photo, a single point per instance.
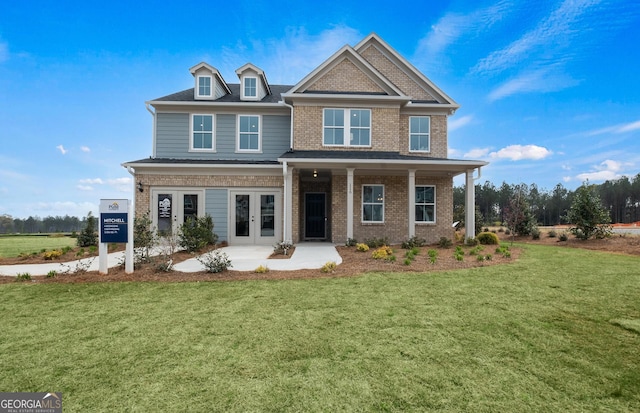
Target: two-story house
pixel 357 149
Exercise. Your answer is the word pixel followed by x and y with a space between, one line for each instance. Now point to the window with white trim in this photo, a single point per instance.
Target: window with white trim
pixel 204 86
pixel 250 88
pixel 249 133
pixel 419 133
pixel 356 121
pixel 373 203
pixel 426 203
pixel 202 133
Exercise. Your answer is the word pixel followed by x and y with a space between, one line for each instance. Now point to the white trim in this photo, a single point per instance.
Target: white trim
pixel 243 88
pixel 211 86
pixel 371 203
pixel 238 149
pixel 350 203
pixel 416 133
pixel 347 128
pixel 192 131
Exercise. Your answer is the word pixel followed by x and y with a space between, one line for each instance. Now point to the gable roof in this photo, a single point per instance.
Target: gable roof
pixel 213 71
pixel 373 40
pixel 260 72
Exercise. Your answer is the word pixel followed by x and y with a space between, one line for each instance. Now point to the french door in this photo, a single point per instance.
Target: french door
pixel 254 217
pixel 172 208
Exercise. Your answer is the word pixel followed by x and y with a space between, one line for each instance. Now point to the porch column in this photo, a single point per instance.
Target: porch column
pixel 412 203
pixel 470 206
pixel 350 202
pixel 287 211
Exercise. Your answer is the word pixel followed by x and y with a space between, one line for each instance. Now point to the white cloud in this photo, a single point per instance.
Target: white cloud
pixel 85 149
pixel 606 170
pixel 457 123
pixel 477 153
pixel 521 152
pixel 85 187
pixel 547 79
pixel 617 129
pixel 547 41
pixel 94 181
pixel 77 209
pixel 121 184
pixel 61 149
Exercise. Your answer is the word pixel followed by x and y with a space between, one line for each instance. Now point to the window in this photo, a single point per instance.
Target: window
pixel 426 203
pixel 204 85
pixel 419 133
pixel 356 121
pixel 250 87
pixel 373 203
pixel 202 132
pixel 248 133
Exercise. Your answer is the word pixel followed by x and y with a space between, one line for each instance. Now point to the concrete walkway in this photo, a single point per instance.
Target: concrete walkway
pixel 243 258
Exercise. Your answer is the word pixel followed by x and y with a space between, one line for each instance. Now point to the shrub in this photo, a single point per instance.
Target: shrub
pixel 351 242
pixel 445 242
pixel 329 267
pixel 408 261
pixel 563 237
pixel 376 242
pixel 163 265
pixel 215 261
pixel 262 269
pixel 52 274
pixel 552 234
pixel 458 253
pixel 488 257
pixel 66 249
pixel 413 242
pixel 52 255
pixel 504 251
pixel 471 241
pixel 535 233
pixel 144 238
pixel 23 276
pixel 488 238
pixel 362 247
pixel 433 256
pixel 588 215
pixel 197 233
pixel 382 252
pixel 282 248
pixel 88 236
pixel 480 258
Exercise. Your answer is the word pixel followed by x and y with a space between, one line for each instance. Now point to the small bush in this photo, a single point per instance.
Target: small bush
pixel 485 229
pixel 376 242
pixel 413 242
pixel 488 257
pixel 262 269
pixel 351 242
pixel 433 256
pixel 480 258
pixel 23 276
pixel 163 265
pixel 215 261
pixel 329 267
pixel 52 274
pixel 535 233
pixel 88 236
pixel 197 233
pixel 382 252
pixel 282 248
pixel 471 241
pixel 507 231
pixel 52 255
pixel 407 261
pixel 445 242
pixel 504 251
pixel 390 258
pixel 488 238
pixel 362 247
pixel 552 234
pixel 563 237
pixel 459 253
pixel 66 249
pixel 500 229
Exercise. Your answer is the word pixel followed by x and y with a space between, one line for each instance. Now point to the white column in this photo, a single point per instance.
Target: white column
pixel 350 202
pixel 412 202
pixel 128 254
pixel 287 235
pixel 470 206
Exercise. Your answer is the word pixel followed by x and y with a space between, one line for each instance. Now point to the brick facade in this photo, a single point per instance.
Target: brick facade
pixel 345 77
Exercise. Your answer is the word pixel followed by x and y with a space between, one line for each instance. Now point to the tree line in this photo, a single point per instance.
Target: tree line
pixel 620 197
pixel 35 225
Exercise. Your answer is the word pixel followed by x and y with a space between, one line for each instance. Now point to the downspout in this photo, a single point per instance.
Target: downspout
pixel 153 114
pixel 291 125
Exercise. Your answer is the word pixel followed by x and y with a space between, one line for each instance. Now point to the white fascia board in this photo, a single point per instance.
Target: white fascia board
pixel 243 104
pixel 456 166
pixel 324 97
pixel 137 165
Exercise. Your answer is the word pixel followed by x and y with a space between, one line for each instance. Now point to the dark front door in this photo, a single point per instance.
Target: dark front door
pixel 315 216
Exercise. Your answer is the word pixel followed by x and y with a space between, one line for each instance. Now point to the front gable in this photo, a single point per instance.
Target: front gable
pixel 209 84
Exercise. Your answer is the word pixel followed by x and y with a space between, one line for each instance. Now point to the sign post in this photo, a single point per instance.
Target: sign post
pixel 116 226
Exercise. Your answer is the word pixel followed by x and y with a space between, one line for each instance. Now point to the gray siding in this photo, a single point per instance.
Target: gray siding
pixel 216 204
pixel 172 137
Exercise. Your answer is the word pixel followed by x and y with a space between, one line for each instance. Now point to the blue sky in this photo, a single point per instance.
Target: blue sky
pixel 550 90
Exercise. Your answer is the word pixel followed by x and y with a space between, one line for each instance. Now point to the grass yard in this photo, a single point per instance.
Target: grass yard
pixel 535 335
pixel 14 245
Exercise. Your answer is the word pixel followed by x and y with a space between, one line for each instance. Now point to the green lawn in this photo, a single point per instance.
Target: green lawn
pixel 535 335
pixel 14 245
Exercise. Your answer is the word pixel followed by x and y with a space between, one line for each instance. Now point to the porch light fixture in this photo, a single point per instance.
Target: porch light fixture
pixel 140 188
pixel 315 173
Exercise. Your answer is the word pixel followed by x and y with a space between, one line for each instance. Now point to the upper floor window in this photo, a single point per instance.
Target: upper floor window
pixel 250 87
pixel 373 203
pixel 202 132
pixel 204 86
pixel 419 133
pixel 249 133
pixel 426 203
pixel 356 122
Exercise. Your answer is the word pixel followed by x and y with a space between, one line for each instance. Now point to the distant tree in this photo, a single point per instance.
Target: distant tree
pixel 587 215
pixel 518 216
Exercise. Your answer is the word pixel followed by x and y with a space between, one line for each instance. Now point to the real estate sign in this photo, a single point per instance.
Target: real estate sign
pixel 114 220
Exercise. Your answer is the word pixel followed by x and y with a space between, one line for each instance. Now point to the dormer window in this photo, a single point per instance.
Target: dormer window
pixel 250 87
pixel 204 86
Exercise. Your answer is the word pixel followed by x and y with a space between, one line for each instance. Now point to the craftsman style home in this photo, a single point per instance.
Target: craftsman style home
pixel 357 149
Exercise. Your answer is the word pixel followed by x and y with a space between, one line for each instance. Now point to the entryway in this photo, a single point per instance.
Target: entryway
pixel 171 208
pixel 315 213
pixel 254 217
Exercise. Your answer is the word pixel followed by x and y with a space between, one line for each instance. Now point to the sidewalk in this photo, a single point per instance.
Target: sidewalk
pixel 243 258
